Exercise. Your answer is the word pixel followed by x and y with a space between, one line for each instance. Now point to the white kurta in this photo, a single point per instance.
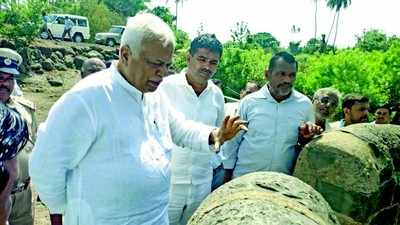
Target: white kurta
pixel 190 167
pixel 103 155
pixel 269 144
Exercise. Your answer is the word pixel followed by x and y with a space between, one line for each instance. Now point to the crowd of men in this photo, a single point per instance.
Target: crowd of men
pixel 125 146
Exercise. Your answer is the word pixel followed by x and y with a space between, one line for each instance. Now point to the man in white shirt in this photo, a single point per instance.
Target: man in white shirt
pixel 355 110
pixel 68 25
pixel 277 116
pixel 200 100
pixel 103 155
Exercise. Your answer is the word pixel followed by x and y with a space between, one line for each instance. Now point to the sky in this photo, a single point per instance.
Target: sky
pixel 278 17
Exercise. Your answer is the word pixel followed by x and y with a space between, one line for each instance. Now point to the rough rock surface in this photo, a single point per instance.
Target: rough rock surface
pixel 355 169
pixel 264 198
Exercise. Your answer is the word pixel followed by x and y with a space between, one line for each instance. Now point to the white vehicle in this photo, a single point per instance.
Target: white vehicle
pixel 55 26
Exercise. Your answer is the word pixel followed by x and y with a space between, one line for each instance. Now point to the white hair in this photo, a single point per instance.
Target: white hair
pixel 146 27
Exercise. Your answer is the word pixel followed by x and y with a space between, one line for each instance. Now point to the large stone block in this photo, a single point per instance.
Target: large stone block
pixel 356 169
pixel 264 198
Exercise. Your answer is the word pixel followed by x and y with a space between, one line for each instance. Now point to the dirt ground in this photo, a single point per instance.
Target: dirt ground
pixel 38 90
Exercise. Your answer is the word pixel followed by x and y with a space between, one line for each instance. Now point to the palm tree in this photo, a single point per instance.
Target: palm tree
pixel 337 5
pixel 315 18
pixel 176 10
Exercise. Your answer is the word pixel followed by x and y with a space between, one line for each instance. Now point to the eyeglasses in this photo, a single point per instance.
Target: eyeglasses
pixel 326 100
pixel 381 113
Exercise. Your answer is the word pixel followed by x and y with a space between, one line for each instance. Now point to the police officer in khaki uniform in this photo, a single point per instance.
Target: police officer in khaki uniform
pixel 21 213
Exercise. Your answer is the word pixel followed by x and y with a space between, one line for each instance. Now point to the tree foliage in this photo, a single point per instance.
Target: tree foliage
pixel 372 40
pixel 126 7
pixel 265 40
pixel 22 20
pixel 240 32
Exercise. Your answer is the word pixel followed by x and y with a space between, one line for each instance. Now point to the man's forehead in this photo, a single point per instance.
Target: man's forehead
pixel 382 109
pixel 282 65
pixel 361 104
pixel 208 53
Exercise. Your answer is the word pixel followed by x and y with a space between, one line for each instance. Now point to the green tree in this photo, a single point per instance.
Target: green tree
pixel 182 38
pixel 164 14
pixel 265 40
pixel 336 5
pixel 294 47
pixel 176 10
pixel 126 7
pixel 22 20
pixel 372 40
pixel 240 32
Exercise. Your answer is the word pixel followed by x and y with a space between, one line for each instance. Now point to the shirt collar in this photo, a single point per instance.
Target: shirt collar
pixel 119 79
pixel 264 93
pixel 183 81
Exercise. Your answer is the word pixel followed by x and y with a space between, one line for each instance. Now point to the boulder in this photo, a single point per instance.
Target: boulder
pixel 36 66
pixel 60 67
pixel 69 61
pixel 36 55
pixel 54 57
pixel 48 64
pixel 94 54
pixel 68 51
pixel 60 55
pixel 264 198
pixel 55 83
pixel 356 170
pixel 45 51
pixel 78 61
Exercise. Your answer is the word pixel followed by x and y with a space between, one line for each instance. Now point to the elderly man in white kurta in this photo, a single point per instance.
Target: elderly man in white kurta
pixel 102 156
pixel 199 99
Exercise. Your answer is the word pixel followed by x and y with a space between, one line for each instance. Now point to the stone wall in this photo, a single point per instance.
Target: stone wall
pixel 43 56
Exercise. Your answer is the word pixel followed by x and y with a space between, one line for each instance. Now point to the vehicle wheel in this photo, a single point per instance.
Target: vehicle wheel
pixel 78 38
pixel 44 35
pixel 111 42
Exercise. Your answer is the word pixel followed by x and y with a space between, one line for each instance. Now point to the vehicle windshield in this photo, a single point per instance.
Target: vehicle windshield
pixel 52 18
pixel 116 30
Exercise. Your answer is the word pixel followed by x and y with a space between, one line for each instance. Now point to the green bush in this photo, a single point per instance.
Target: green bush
pixel 22 20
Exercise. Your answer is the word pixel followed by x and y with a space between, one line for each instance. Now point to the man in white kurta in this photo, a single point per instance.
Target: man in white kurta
pixel 199 99
pixel 102 156
pixel 193 94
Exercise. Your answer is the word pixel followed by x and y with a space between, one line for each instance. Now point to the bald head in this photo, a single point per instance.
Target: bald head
pixel 92 65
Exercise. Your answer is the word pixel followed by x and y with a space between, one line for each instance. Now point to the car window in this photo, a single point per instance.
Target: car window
pixel 60 20
pixel 116 30
pixel 82 23
pixel 73 20
pixel 52 18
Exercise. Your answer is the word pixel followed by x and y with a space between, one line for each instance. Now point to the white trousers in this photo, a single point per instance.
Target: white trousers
pixel 184 200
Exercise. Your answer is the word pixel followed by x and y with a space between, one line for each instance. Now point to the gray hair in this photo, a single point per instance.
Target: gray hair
pixel 146 27
pixel 331 92
pixel 92 65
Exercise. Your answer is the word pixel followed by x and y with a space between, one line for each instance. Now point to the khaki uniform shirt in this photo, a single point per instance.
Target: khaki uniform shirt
pixel 21 213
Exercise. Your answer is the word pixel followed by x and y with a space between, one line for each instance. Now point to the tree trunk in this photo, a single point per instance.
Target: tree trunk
pixel 176 13
pixel 336 29
pixel 315 18
pixel 330 30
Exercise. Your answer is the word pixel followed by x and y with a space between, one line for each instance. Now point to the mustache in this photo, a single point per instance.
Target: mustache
pixel 285 84
pixel 206 71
